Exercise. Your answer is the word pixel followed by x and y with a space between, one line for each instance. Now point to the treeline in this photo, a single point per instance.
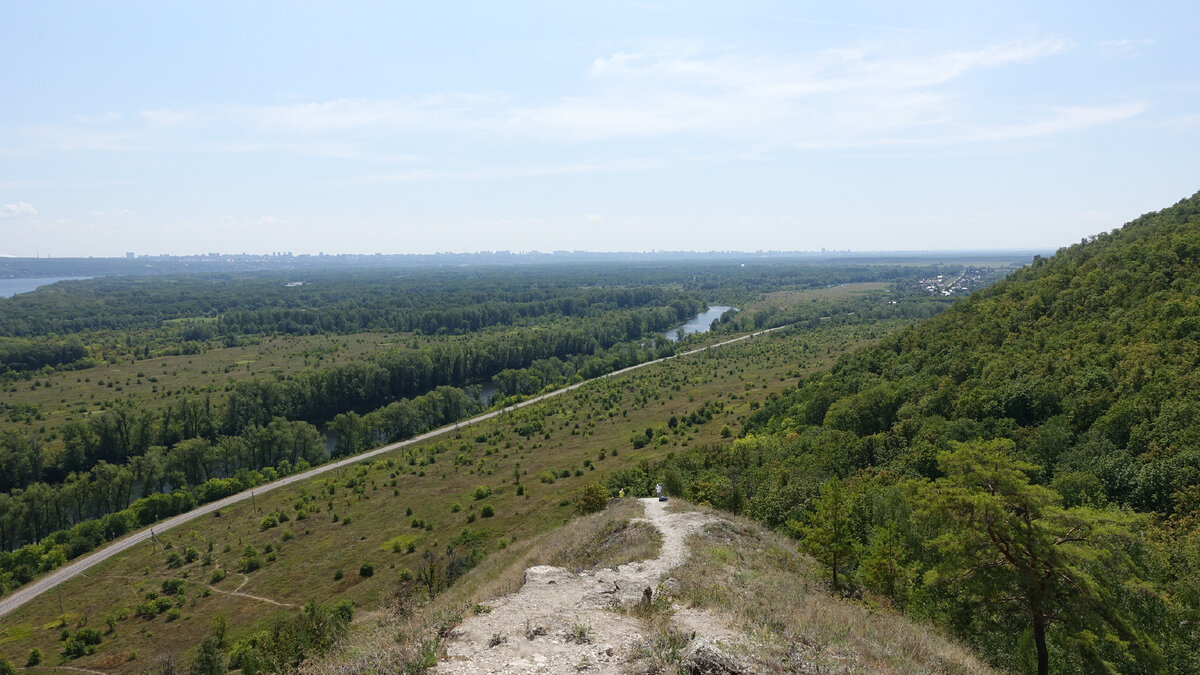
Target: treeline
pixel 449 314
pixel 50 524
pixel 318 395
pixel 1022 470
pixel 869 308
pixel 42 526
pixel 432 301
pixel 27 355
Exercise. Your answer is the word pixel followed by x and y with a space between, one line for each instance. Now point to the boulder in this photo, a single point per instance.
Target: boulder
pixel 701 657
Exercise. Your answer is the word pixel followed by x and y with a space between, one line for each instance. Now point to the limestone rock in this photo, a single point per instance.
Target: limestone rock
pixel 701 657
pixel 547 574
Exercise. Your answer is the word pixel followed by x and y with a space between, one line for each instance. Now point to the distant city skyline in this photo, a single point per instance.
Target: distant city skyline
pixel 421 128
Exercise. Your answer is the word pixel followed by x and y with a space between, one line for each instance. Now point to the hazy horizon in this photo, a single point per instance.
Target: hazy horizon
pixel 534 252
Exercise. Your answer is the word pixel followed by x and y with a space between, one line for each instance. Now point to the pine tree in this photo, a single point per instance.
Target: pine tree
pixel 828 536
pixel 1007 542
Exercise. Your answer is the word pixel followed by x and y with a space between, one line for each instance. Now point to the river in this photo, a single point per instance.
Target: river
pixel 11 287
pixel 700 324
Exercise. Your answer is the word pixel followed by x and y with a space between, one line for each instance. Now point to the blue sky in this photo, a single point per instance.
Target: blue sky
pixel 171 127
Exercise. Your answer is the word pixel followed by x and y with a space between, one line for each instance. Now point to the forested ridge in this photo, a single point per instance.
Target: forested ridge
pixel 1022 469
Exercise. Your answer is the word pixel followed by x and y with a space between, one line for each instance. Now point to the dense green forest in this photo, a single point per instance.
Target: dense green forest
pixel 1022 469
pixel 122 464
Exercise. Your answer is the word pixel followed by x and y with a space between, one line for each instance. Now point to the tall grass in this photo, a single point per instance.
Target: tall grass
pixel 765 587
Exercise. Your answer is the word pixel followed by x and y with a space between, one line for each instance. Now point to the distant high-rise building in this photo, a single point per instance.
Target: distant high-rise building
pixel 130 255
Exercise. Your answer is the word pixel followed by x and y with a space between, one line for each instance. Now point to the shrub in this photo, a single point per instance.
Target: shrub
pixel 268 522
pixel 366 569
pixel 173 586
pixel 191 554
pixel 250 560
pixel 592 498
pixel 83 642
pixel 337 575
pixel 482 492
pixel 153 607
pixel 487 511
pixel 406 574
pixel 74 648
pixel 35 657
pixel 217 576
pixel 173 614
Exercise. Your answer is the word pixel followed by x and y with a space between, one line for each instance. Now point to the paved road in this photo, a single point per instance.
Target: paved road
pixel 36 588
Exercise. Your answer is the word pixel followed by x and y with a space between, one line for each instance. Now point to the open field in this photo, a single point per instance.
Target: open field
pixel 363 515
pixel 785 299
pixel 155 382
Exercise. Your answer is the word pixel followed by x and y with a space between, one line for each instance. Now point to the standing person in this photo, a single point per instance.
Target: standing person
pixel 658 490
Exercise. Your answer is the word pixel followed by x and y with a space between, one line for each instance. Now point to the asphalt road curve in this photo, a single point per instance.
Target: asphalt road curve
pixel 32 590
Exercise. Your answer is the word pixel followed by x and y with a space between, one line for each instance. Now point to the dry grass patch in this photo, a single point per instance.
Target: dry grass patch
pixel 775 594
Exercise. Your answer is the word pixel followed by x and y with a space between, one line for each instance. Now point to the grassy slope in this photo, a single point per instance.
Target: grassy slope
pixel 779 595
pixel 583 425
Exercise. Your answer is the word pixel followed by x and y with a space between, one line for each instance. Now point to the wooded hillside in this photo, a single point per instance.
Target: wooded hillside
pixel 1023 469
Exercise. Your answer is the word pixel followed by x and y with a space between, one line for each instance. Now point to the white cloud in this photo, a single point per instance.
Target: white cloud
pixel 592 218
pixel 1182 122
pixel 104 118
pixel 358 113
pixel 1111 49
pixel 18 210
pixel 503 172
pixel 828 97
pixel 97 214
pixel 721 103
pixel 167 117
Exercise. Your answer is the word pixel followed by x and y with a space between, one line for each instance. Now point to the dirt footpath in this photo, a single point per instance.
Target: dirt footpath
pixel 561 622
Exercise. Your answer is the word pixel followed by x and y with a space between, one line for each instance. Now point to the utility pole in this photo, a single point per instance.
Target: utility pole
pixel 253 502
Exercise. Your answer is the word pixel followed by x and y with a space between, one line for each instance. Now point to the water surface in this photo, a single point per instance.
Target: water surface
pixel 700 324
pixel 11 287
